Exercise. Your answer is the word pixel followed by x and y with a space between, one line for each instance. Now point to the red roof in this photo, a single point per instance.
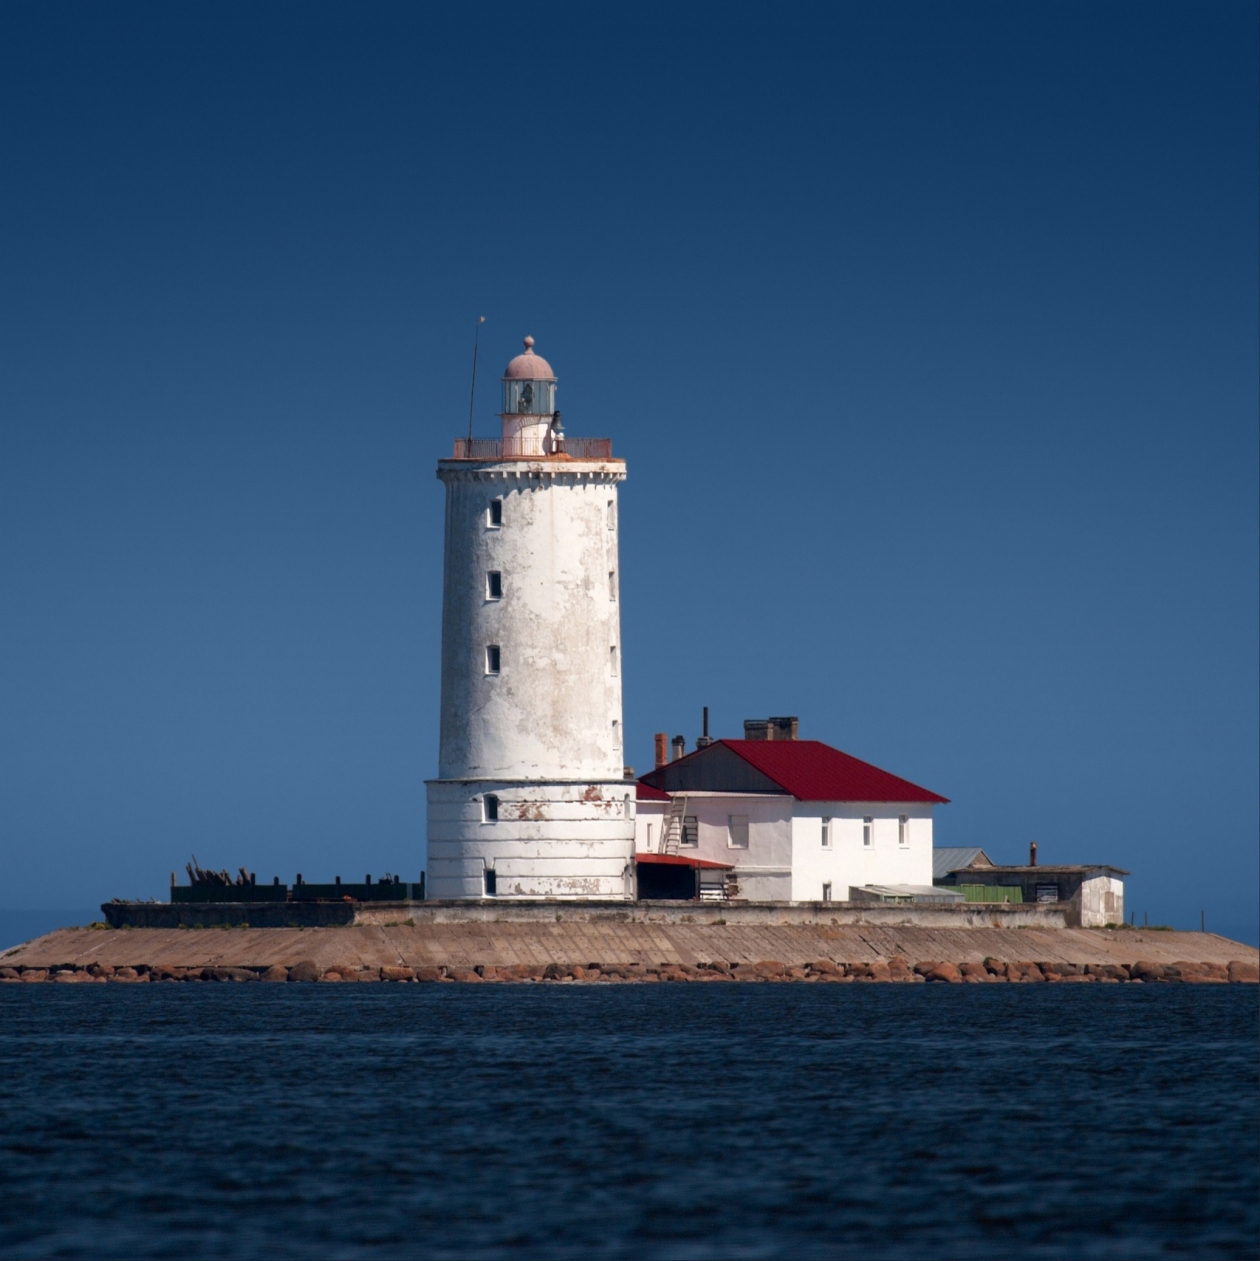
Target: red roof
pixel 645 792
pixel 813 771
pixel 681 860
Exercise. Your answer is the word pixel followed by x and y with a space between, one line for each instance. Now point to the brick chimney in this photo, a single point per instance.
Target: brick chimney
pixel 662 748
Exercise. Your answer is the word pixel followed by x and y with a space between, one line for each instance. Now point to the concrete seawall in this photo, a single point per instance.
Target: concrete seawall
pixel 537 911
pixel 500 944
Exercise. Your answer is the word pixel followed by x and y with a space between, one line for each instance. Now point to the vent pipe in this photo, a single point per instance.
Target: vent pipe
pixel 704 741
pixel 680 747
pixel 1032 853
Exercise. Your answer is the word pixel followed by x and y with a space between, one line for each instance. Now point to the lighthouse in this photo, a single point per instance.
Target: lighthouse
pixel 531 799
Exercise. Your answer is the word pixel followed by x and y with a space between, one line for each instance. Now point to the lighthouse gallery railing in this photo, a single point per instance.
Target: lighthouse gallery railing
pixel 532 448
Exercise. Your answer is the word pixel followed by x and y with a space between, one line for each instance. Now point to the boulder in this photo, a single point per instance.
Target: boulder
pixel 797 974
pixel 944 972
pixel 9 974
pixel 825 967
pixel 34 974
pixel 1078 977
pixel 393 972
pixel 1107 971
pixel 769 967
pixel 68 975
pixel 463 974
pixel 899 969
pixel 1243 973
pixel 1145 970
pixel 880 972
pixel 923 967
pixel 305 970
pixel 277 972
pixel 420 974
pixel 977 970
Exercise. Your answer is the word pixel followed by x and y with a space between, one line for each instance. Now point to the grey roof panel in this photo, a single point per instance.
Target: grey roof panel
pixel 947 858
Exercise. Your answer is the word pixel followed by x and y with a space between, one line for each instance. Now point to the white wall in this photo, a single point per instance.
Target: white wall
pixel 550 840
pixel 1098 902
pixel 848 862
pixel 554 710
pixel 785 860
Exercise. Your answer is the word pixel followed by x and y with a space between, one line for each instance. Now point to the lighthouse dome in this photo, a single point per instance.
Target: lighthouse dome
pixel 529 386
pixel 529 366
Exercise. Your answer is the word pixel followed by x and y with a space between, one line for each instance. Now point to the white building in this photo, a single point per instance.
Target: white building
pixel 531 800
pixel 790 820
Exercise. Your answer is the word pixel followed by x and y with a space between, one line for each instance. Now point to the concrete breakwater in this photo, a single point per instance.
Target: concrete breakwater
pixel 895 969
pixel 626 951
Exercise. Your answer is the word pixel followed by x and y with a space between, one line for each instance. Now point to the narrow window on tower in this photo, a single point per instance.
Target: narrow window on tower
pixel 868 832
pixel 690 830
pixel 827 892
pixel 612 514
pixel 492 886
pixel 612 584
pixel 494 585
pixel 612 659
pixel 737 831
pixel 492 659
pixel 495 518
pixel 903 831
pixel 490 808
pixel 826 834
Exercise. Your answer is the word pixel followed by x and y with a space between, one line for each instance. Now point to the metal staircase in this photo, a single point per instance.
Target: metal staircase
pixel 672 825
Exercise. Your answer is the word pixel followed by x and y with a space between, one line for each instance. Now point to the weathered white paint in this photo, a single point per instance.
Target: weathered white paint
pixel 544 733
pixel 785 860
pixel 554 709
pixel 1098 902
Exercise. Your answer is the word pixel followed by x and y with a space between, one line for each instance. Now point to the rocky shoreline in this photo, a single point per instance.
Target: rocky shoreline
pixel 894 970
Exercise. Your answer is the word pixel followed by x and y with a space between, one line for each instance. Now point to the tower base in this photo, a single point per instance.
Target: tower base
pixel 531 839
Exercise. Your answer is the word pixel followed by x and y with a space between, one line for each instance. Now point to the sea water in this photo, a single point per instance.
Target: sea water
pixel 668 1120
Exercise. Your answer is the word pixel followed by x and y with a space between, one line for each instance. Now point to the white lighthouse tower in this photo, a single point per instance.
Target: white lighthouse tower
pixel 531 800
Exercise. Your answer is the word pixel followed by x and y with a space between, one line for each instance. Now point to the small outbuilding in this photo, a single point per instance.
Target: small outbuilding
pixel 1094 893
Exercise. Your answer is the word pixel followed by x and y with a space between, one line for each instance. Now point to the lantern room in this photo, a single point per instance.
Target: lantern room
pixel 529 385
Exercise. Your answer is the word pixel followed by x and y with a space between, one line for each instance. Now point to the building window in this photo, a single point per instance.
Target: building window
pixel 827 892
pixel 492 659
pixel 612 514
pixel 612 659
pixel 868 832
pixel 737 831
pixel 496 514
pixel 491 882
pixel 494 585
pixel 490 808
pixel 826 835
pixel 1047 893
pixel 649 838
pixel 690 830
pixel 903 831
pixel 612 584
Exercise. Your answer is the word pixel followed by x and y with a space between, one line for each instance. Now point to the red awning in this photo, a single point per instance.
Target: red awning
pixel 679 860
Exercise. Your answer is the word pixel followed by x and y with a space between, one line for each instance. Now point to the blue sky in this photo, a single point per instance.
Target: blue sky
pixel 928 331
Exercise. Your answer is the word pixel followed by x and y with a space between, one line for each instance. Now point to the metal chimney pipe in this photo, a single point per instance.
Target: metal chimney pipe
pixel 1032 853
pixel 680 747
pixel 704 741
pixel 662 748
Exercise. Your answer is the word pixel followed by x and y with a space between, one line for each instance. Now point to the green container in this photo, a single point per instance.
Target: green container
pixel 992 892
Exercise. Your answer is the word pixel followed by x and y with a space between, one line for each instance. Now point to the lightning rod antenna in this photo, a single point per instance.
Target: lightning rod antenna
pixel 472 392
